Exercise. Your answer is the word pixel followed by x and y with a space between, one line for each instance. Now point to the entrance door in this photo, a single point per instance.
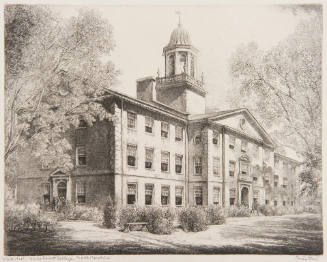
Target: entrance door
pixel 62 191
pixel 245 196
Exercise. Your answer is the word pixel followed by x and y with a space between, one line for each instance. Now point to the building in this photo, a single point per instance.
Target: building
pixel 163 148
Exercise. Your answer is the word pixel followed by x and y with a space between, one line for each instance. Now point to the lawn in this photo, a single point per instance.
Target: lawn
pixel 293 234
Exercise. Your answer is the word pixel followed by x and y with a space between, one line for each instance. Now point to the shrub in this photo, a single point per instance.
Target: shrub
pixel 193 219
pixel 237 211
pixel 109 214
pixel 130 214
pixel 215 215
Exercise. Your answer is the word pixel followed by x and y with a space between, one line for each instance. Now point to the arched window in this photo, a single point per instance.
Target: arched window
pixel 192 66
pixel 171 65
pixel 183 63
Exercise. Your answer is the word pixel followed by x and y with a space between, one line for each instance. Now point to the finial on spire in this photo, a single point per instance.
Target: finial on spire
pixel 179 17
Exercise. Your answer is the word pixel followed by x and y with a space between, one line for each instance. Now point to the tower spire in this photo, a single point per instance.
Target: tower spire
pixel 179 17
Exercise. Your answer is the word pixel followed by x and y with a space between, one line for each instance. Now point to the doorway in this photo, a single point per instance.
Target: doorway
pixel 245 196
pixel 62 191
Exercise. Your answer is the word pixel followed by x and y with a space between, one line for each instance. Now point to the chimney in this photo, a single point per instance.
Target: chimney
pixel 145 89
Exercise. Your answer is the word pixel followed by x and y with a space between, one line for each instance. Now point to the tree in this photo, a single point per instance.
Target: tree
pixel 55 75
pixel 283 87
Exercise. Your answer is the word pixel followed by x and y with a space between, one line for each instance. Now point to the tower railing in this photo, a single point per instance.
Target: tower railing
pixel 180 78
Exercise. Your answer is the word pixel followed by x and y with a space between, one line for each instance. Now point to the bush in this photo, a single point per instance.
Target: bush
pixel 237 211
pixel 29 217
pixel 215 215
pixel 109 214
pixel 193 219
pixel 160 220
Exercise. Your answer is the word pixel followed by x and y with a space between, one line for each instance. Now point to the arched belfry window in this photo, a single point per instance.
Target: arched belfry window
pixel 171 65
pixel 192 66
pixel 183 63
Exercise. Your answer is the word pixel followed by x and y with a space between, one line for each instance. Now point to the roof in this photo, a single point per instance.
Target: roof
pixel 179 36
pixel 212 114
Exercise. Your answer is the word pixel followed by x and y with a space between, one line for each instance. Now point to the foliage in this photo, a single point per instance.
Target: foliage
pixel 288 210
pixel 160 220
pixel 55 74
pixel 215 215
pixel 282 86
pixel 69 211
pixel 237 211
pixel 109 214
pixel 29 217
pixel 193 219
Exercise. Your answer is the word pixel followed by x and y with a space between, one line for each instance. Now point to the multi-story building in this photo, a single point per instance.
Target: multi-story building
pixel 163 148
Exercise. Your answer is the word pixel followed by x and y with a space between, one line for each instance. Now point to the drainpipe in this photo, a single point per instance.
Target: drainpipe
pixel 186 168
pixel 121 152
pixel 223 189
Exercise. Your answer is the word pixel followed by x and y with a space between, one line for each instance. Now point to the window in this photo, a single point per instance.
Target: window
pixel 149 158
pixel 244 146
pixel 284 203
pixel 256 193
pixel 183 63
pixel 192 66
pixel 46 193
pixel 164 195
pixel 276 179
pixel 285 182
pixel 232 196
pixel 131 155
pixel 231 168
pixel 267 154
pixel 80 192
pixel 178 133
pixel 179 196
pixel 216 195
pixel 148 194
pixel 81 155
pixel 165 161
pixel 215 138
pixel 244 168
pixel 81 134
pixel 178 164
pixel 292 203
pixel 149 124
pixel 131 194
pixel 198 195
pixel 216 166
pixel 131 120
pixel 197 139
pixel 255 179
pixel 267 202
pixel 256 150
pixel 275 203
pixel 198 165
pixel 231 142
pixel 164 129
pixel 171 65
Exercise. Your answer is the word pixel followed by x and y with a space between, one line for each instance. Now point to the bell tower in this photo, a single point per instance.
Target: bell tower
pixel 179 88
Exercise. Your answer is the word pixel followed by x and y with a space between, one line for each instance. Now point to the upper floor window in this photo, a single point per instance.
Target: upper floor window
pixel 267 154
pixel 178 164
pixel 80 192
pixel 198 195
pixel 256 194
pixel 231 142
pixel 215 138
pixel 164 129
pixel 131 120
pixel 149 194
pixel 149 124
pixel 276 180
pixel 81 133
pixel 244 146
pixel 131 155
pixel 179 195
pixel 149 158
pixel 178 133
pixel 165 195
pixel 285 182
pixel 244 168
pixel 131 193
pixel 216 166
pixel 255 179
pixel 231 168
pixel 197 139
pixel 80 156
pixel 165 161
pixel 198 165
pixel 216 195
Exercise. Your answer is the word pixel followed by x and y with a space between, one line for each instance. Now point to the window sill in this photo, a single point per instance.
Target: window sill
pixel 197 174
pixel 131 129
pixel 132 167
pixel 149 169
pixel 165 172
pixel 179 174
pixel 150 134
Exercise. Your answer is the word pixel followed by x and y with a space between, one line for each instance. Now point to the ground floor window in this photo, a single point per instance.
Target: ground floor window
pixel 292 203
pixel 198 195
pixel 267 202
pixel 231 201
pixel 80 189
pixel 216 195
pixel 148 194
pixel 46 193
pixel 275 203
pixel 179 196
pixel 164 195
pixel 284 203
pixel 131 193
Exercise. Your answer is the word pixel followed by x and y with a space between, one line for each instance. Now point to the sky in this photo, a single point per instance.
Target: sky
pixel 141 32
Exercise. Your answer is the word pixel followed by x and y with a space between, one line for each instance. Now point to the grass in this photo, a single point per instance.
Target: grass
pixel 297 235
